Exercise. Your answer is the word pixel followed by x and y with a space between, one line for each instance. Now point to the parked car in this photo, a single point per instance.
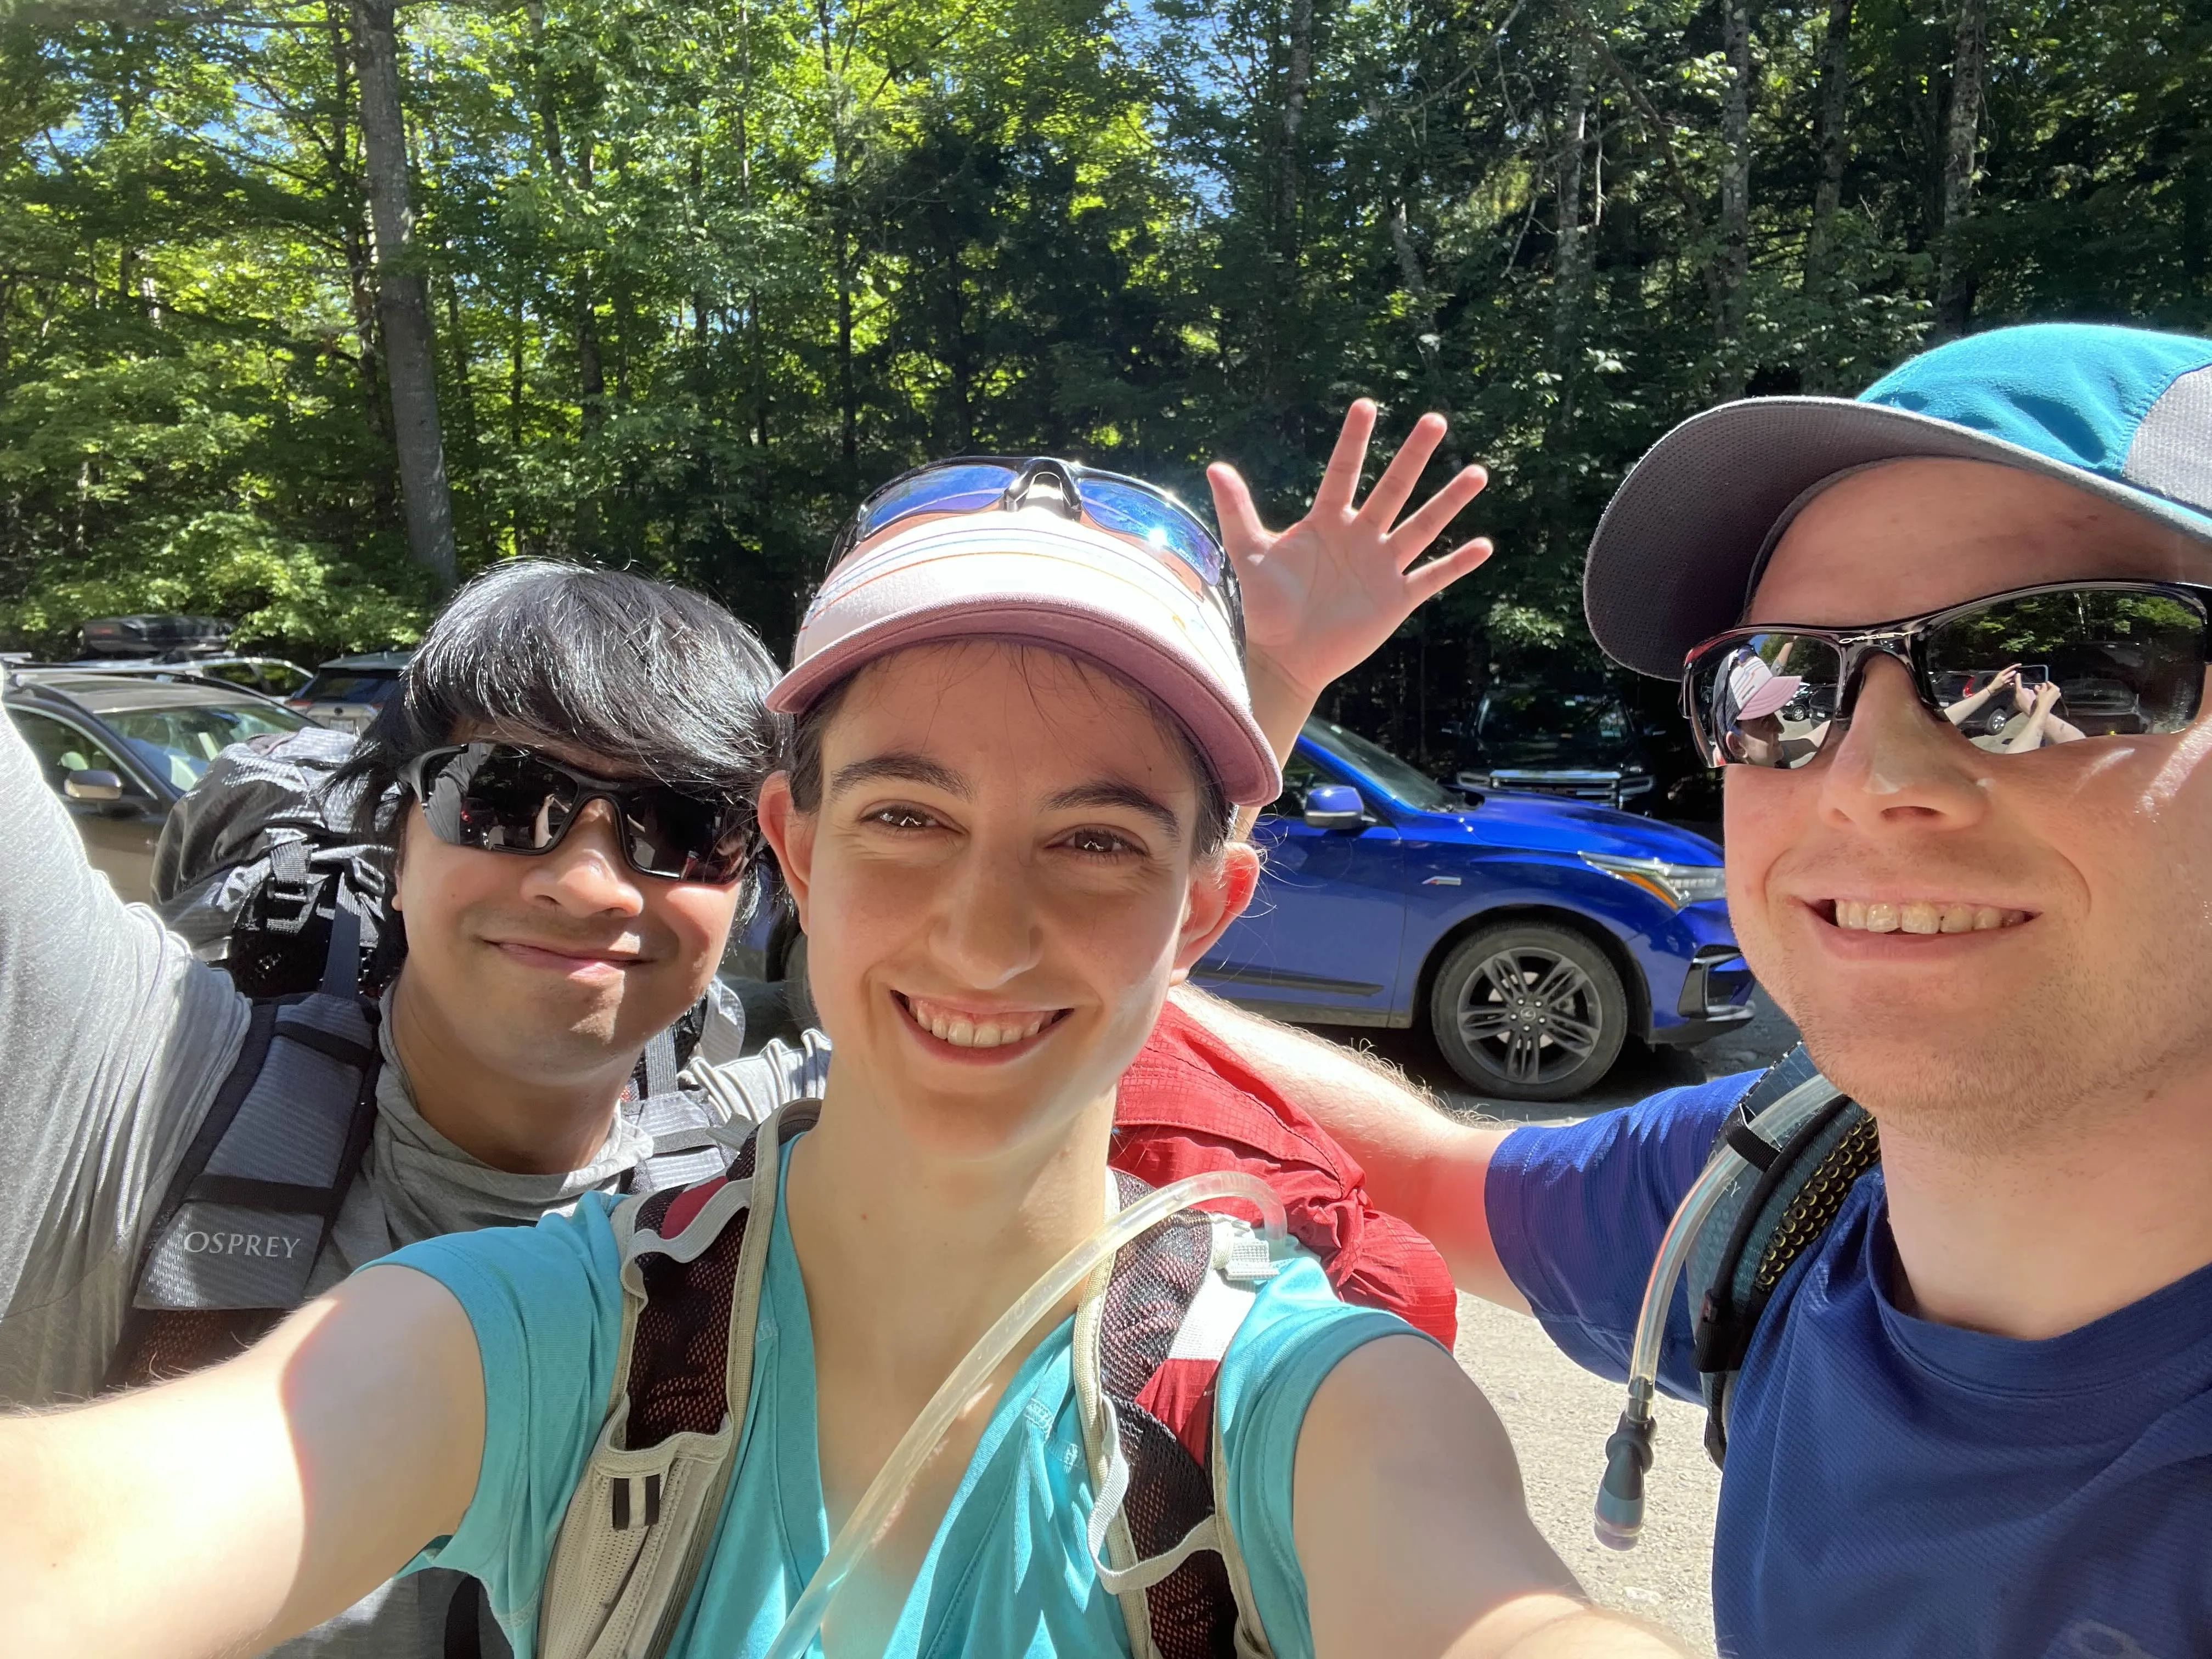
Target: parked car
pixel 121 747
pixel 272 677
pixel 1587 745
pixel 347 692
pixel 1531 936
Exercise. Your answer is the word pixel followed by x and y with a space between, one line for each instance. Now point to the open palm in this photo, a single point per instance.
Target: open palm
pixel 1322 595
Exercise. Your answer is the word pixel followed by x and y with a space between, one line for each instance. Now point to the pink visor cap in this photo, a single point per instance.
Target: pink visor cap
pixel 1038 578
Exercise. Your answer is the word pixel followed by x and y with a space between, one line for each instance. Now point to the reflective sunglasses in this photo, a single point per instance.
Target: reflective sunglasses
pixel 1114 501
pixel 2013 671
pixel 498 797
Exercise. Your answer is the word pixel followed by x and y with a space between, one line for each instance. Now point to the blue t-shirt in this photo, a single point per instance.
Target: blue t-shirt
pixel 1008 1575
pixel 1894 1487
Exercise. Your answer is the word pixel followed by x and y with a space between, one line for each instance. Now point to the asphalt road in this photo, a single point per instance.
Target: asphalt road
pixel 1558 1415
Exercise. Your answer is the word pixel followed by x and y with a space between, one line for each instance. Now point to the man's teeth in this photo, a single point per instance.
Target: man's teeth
pixel 964 1032
pixel 1922 916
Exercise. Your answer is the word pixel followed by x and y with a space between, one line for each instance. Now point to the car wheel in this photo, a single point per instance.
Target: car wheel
pixel 1529 1010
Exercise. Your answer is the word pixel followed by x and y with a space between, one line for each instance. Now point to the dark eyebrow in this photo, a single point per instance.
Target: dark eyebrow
pixel 1108 791
pixel 900 768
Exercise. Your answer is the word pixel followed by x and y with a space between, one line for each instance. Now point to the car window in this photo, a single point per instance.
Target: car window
pixel 1299 774
pixel 350 687
pixel 177 743
pixel 1404 784
pixel 62 749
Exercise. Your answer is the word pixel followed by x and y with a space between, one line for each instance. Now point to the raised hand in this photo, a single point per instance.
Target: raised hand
pixel 1322 595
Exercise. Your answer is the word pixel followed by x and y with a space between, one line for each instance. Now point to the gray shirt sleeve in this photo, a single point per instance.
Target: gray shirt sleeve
pixel 114 1040
pixel 749 1090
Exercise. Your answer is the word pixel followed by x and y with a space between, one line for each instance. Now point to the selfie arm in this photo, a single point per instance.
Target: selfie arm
pixel 1412 1531
pixel 1425 1167
pixel 218 1514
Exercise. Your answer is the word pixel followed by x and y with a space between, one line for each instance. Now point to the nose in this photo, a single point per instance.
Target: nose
pixel 1897 765
pixel 587 874
pixel 986 931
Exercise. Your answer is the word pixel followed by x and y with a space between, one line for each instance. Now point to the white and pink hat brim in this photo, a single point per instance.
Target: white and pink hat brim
pixel 1035 577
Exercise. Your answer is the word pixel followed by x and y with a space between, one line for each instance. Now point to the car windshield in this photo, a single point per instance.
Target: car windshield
pixel 1537 716
pixel 350 687
pixel 1401 782
pixel 177 743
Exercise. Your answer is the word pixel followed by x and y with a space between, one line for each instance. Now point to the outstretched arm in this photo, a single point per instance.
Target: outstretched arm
pixel 1321 596
pixel 218 1514
pixel 1422 1165
pixel 1412 1531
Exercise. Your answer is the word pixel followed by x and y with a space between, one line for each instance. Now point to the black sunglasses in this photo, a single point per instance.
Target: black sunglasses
pixel 2013 671
pixel 498 798
pixel 1126 506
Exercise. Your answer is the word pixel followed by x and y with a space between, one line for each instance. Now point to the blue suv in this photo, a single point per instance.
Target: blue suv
pixel 1531 935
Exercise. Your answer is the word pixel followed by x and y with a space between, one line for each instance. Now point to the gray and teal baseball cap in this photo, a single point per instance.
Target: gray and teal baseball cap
pixel 2123 413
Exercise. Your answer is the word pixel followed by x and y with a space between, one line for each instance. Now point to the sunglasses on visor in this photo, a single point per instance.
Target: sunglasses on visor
pixel 498 797
pixel 2013 671
pixel 1113 502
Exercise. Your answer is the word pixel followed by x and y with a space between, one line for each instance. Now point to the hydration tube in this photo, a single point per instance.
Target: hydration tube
pixel 880 1505
pixel 1619 1517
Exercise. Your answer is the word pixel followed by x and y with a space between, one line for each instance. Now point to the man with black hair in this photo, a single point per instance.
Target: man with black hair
pixel 506 1039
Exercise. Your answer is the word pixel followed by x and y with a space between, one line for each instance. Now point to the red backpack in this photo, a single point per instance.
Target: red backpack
pixel 1189 1103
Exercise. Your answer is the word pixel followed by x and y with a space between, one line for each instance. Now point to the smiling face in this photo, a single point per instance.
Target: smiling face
pixel 2069 887
pixel 998 882
pixel 563 962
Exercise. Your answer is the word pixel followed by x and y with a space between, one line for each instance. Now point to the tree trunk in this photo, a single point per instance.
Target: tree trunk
pixel 591 369
pixel 1570 261
pixel 1297 82
pixel 1735 174
pixel 1835 148
pixel 1954 284
pixel 403 302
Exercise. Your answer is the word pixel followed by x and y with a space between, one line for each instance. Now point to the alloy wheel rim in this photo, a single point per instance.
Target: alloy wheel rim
pixel 1529 1015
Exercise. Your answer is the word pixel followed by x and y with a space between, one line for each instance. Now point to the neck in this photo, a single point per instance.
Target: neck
pixel 525 1126
pixel 2061 1229
pixel 908 1255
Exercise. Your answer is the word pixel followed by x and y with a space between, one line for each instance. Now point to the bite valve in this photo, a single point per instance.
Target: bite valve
pixel 1620 1516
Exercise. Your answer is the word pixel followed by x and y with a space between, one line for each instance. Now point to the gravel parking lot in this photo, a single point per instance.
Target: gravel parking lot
pixel 1559 1414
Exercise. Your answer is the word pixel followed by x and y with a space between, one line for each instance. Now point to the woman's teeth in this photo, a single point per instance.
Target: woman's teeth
pixel 1921 916
pixel 964 1031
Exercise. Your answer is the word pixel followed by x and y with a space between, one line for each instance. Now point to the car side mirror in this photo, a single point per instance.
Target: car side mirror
pixel 1334 806
pixel 93 783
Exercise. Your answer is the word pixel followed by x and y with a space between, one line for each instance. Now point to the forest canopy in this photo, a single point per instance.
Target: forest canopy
pixel 307 306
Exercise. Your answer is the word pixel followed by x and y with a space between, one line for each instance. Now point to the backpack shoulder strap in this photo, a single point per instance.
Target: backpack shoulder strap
pixel 693 1141
pixel 638 1523
pixel 237 1235
pixel 1150 1337
pixel 1804 1144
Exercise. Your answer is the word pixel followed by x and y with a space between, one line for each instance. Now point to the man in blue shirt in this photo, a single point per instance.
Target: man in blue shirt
pixel 1958 692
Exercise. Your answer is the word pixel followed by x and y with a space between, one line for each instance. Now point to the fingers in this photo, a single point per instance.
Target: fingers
pixel 1242 534
pixel 1347 461
pixel 1433 578
pixel 1407 540
pixel 1395 486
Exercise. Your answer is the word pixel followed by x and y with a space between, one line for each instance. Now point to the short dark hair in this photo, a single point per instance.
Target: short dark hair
pixel 802 754
pixel 647 674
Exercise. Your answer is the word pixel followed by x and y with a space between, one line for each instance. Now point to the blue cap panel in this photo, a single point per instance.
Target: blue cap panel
pixel 2074 391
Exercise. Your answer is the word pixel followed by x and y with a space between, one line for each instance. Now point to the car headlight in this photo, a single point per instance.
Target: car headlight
pixel 1676 884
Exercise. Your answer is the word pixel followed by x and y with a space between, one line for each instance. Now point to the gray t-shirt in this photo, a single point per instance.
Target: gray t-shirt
pixel 113 1041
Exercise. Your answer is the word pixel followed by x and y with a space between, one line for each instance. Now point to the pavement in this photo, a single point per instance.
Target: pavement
pixel 1557 1414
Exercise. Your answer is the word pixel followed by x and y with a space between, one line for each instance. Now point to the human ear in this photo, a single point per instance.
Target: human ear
pixel 1220 888
pixel 790 832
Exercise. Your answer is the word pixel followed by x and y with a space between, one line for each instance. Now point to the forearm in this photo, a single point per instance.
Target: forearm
pixel 242 1506
pixel 1422 1165
pixel 1590 1633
